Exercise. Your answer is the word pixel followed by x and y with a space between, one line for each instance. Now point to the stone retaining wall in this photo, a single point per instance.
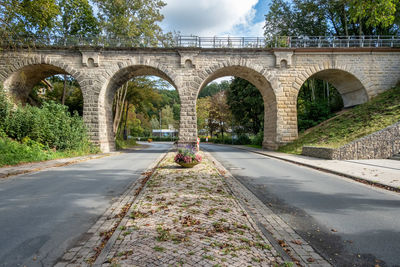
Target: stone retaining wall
pixel 379 145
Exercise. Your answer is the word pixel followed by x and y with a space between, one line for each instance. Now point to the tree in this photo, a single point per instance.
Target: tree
pixel 203 109
pixel 77 18
pixel 247 105
pixel 136 20
pixel 28 18
pixel 326 17
pixel 214 88
pixel 219 116
pixel 373 13
pixel 167 117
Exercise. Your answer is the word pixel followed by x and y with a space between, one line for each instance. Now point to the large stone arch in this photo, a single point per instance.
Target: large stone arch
pixel 351 84
pixel 265 84
pixel 106 96
pixel 21 76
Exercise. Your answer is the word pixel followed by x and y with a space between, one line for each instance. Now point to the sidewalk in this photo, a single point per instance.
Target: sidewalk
pixel 191 217
pixel 38 166
pixel 381 172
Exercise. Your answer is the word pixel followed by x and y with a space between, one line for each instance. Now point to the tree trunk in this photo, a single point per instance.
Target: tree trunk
pixel 119 107
pixel 126 119
pixel 64 89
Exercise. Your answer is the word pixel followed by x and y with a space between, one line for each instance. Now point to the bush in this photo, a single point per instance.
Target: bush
pixel 258 139
pixel 243 139
pixel 51 125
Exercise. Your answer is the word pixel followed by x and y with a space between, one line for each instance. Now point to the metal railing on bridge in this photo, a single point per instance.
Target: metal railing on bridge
pixel 207 42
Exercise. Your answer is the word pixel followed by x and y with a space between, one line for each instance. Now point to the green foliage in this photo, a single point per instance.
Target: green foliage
pixel 380 112
pixel 327 17
pixel 243 139
pixel 375 13
pixel 28 18
pixel 317 101
pixel 124 144
pixel 247 106
pixel 73 94
pixel 258 139
pixel 214 88
pixel 137 20
pixel 77 18
pixel 51 125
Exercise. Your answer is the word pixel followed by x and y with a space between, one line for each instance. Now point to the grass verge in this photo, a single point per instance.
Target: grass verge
pixel 13 152
pixel 380 112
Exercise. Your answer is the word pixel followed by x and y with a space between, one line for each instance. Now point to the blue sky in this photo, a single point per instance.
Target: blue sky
pixel 215 17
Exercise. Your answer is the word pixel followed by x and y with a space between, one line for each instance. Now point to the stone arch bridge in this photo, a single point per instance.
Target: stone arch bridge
pixel 357 73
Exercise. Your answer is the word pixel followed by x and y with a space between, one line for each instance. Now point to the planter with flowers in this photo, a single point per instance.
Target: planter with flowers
pixel 187 158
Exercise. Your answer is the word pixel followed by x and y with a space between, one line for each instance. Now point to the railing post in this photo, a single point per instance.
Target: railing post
pixel 214 42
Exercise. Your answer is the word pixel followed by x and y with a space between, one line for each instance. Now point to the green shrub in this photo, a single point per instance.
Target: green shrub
pixel 51 126
pixel 243 139
pixel 258 139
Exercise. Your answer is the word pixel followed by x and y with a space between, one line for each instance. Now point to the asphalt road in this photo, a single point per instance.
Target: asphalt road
pixel 348 223
pixel 45 213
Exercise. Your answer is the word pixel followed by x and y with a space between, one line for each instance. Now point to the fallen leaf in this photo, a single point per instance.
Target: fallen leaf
pixel 297 242
pixel 310 259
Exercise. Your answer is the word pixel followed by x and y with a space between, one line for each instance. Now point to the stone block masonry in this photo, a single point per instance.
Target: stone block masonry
pixel 358 74
pixel 379 145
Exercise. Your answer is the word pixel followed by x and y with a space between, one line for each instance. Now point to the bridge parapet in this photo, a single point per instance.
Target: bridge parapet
pixel 387 41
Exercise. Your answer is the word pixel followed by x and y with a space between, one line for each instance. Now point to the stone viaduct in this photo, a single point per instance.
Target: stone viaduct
pixel 357 73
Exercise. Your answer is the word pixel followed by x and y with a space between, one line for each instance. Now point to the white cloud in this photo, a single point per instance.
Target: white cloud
pixel 211 17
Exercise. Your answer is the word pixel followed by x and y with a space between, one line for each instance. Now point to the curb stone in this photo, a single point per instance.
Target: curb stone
pixel 296 247
pixel 93 245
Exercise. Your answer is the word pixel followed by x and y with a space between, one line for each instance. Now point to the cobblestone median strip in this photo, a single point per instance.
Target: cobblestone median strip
pixel 298 249
pixel 87 251
pixel 191 217
pixel 188 217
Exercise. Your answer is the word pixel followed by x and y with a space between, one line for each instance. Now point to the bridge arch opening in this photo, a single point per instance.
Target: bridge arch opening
pixel 326 92
pixel 36 83
pixel 261 103
pixel 138 101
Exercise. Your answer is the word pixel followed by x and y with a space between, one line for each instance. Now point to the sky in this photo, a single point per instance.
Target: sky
pixel 209 18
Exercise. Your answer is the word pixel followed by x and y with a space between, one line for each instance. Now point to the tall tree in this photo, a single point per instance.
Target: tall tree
pixel 220 116
pixel 247 106
pixel 326 17
pixel 28 18
pixel 77 18
pixel 137 20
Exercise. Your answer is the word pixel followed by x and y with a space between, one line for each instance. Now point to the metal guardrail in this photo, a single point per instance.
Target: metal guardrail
pixel 208 42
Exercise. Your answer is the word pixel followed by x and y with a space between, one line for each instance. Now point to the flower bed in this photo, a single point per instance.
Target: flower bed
pixel 187 158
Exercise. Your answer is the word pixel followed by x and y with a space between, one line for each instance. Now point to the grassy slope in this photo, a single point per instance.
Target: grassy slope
pixel 13 152
pixel 380 112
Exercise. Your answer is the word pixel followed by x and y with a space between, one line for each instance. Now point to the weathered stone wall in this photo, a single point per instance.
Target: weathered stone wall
pixel 278 74
pixel 379 145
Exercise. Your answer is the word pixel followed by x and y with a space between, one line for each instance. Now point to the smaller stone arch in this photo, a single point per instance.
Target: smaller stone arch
pixel 106 96
pixel 22 76
pixel 349 83
pixel 253 75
